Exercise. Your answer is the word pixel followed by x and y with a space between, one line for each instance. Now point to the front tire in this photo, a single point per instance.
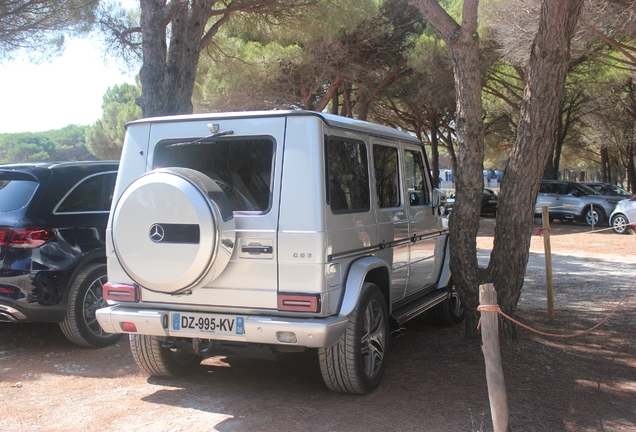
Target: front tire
pixel 620 224
pixel 85 296
pixel 159 361
pixel 357 362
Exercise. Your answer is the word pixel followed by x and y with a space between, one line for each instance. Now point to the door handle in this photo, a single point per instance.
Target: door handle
pixel 257 249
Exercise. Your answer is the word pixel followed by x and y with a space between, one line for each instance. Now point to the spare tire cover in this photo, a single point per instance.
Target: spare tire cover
pixel 173 230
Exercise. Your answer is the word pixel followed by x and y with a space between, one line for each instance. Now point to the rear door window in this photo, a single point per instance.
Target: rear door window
pixel 416 178
pixel 348 176
pixel 84 197
pixel 15 194
pixel 387 185
pixel 241 167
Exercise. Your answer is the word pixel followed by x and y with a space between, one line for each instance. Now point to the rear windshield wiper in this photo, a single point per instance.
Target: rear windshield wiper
pixel 204 140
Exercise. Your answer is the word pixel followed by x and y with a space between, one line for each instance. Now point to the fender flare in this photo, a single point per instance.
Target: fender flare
pixel 355 280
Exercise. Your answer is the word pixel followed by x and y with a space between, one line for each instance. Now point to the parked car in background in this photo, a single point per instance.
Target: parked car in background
pixel 569 201
pixel 52 252
pixel 623 218
pixel 450 202
pixel 608 189
pixel 489 201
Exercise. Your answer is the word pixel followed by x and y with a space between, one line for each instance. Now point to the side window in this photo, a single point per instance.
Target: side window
pixel 416 178
pixel 85 196
pixel 348 174
pixel 564 189
pixel 387 185
pixel 548 188
pixel 109 189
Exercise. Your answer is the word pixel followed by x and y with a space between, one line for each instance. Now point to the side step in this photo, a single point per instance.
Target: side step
pixel 413 309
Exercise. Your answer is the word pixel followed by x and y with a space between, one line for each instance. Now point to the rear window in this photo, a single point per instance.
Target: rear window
pixel 15 194
pixel 241 167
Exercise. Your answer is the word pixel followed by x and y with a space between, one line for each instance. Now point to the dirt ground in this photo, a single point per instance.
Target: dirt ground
pixel 435 379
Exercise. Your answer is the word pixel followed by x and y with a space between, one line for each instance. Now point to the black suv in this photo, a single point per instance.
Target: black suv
pixel 52 257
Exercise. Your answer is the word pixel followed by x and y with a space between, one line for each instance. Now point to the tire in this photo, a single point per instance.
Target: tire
pixel 597 215
pixel 620 224
pixel 357 362
pixel 158 361
pixel 85 297
pixel 449 312
pixel 173 230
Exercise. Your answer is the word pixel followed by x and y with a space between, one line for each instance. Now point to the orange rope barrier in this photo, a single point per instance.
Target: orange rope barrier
pixel 496 309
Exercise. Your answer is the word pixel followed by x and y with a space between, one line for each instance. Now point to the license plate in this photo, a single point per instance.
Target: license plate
pixel 224 325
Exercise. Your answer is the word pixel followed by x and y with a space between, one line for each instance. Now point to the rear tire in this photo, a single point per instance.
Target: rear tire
pixel 449 312
pixel 357 362
pixel 159 361
pixel 85 296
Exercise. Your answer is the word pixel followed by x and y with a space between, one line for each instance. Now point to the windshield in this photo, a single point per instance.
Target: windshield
pixel 241 167
pixel 586 189
pixel 617 190
pixel 15 194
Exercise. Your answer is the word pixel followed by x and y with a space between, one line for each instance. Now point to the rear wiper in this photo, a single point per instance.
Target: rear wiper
pixel 204 140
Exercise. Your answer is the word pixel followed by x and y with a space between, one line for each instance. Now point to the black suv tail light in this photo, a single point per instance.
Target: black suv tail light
pixel 31 238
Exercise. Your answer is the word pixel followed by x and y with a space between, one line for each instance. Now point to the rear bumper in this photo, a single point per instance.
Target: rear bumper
pixel 310 333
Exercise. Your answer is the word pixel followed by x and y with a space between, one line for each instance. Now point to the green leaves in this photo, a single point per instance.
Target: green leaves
pixel 106 137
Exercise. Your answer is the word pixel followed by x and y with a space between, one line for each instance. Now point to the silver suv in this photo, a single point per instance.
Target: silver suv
pixel 274 232
pixel 569 201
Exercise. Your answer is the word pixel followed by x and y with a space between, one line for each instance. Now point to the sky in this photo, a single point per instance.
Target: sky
pixel 67 90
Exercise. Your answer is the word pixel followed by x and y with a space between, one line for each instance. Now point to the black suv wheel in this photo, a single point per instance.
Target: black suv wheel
pixel 85 297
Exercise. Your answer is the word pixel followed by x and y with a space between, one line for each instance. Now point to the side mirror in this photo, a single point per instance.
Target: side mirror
pixel 439 197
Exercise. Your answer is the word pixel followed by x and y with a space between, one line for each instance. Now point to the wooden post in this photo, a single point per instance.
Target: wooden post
pixel 548 260
pixel 492 356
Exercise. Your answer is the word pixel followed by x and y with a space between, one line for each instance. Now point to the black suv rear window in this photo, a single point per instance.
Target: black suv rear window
pixel 241 167
pixel 15 194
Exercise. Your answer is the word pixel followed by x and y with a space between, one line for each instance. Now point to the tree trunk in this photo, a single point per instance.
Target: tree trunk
pixel 435 152
pixel 183 57
pixel 605 164
pixel 538 121
pixel 154 51
pixel 463 44
pixel 631 170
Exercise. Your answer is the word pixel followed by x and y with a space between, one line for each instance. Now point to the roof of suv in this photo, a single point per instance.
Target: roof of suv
pixel 42 170
pixel 329 119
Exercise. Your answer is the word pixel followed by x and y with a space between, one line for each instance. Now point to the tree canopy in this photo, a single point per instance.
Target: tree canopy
pixel 66 144
pixel 105 138
pixel 42 27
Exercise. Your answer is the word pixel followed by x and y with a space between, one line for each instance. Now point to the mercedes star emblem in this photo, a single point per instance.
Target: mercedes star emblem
pixel 156 233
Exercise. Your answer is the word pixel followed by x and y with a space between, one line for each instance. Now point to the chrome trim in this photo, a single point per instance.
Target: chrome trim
pixel 12 313
pixel 385 245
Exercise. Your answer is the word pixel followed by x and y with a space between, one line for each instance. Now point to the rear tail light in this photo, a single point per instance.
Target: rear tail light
pixel 299 302
pixel 31 238
pixel 120 292
pixel 128 327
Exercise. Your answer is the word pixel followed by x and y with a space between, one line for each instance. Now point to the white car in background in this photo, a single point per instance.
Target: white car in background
pixel 623 218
